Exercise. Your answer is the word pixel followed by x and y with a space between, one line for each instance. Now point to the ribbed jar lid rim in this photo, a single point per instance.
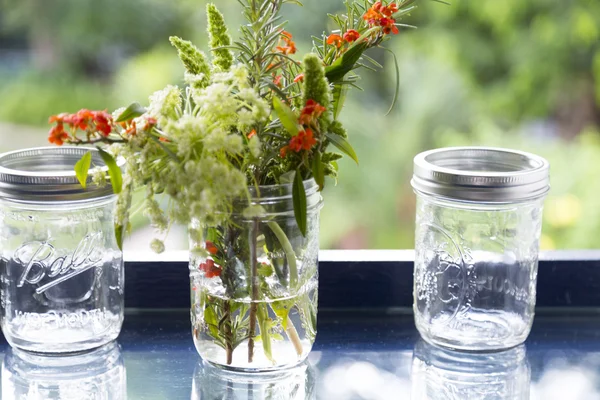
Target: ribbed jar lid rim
pixel 481 174
pixel 47 174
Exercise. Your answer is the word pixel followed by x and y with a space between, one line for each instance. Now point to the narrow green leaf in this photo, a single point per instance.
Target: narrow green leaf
pixel 397 91
pixel 345 63
pixel 120 235
pixel 318 170
pixel 339 98
pixel 133 111
pixel 299 200
pixel 287 117
pixel 343 145
pixel 116 176
pixel 82 167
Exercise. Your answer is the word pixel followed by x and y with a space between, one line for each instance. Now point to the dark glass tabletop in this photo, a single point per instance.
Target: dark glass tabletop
pixel 358 355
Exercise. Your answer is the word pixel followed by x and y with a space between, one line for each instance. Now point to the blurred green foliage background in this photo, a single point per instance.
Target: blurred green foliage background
pixel 512 73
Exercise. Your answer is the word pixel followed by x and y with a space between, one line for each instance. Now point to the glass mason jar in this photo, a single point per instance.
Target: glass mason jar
pixel 254 283
pixel 479 218
pixel 440 374
pixel 61 269
pixel 96 375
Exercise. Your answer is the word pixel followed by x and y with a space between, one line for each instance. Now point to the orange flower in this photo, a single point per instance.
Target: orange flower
pixel 277 80
pixel 299 78
pixel 211 248
pixel 283 151
pixel 303 140
pixel 335 40
pixel 252 134
pixel 286 44
pixel 210 269
pixel 379 15
pixel 351 36
pixel 103 121
pixel 58 135
pixel 311 111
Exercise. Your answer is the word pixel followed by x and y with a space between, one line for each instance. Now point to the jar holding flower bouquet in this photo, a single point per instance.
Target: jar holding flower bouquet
pixel 240 156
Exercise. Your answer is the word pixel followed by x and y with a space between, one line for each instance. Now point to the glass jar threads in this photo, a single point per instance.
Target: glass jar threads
pixel 60 265
pixel 479 218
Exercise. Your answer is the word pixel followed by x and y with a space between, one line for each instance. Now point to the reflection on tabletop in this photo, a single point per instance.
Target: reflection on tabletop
pixel 97 375
pixel 212 383
pixel 449 375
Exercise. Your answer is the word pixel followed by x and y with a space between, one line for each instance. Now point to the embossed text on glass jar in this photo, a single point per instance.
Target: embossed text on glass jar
pixel 479 215
pixel 254 283
pixel 61 267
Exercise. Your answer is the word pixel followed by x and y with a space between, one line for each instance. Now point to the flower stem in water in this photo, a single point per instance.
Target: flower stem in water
pixel 254 297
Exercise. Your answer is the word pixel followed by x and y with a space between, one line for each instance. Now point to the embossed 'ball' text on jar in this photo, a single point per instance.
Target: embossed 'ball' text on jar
pixel 61 267
pixel 479 218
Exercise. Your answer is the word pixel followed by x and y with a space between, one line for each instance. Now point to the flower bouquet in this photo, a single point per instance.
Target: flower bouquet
pixel 240 156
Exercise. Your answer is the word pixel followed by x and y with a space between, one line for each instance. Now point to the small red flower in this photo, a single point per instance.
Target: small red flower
pixel 311 111
pixel 211 248
pixel 335 40
pixel 304 140
pixel 58 135
pixel 210 269
pixel 351 36
pixel 379 15
pixel 299 78
pixel 288 46
pixel 277 80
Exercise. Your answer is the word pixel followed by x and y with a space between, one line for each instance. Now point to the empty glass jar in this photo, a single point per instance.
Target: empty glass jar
pixel 61 269
pixel 479 218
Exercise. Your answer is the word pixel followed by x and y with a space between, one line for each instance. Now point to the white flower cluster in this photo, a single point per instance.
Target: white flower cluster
pixel 206 132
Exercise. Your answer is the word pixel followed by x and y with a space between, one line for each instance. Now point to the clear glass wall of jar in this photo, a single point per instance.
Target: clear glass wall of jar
pixel 254 283
pixel 479 218
pixel 62 275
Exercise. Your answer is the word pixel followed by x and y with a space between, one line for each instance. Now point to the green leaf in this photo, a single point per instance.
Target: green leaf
pixel 397 67
pixel 116 176
pixel 120 235
pixel 287 117
pixel 336 71
pixel 299 200
pixel 342 144
pixel 339 98
pixel 318 170
pixel 82 167
pixel 133 111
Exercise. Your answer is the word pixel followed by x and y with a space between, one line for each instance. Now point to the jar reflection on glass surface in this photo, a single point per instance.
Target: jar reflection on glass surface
pixel 478 225
pixel 213 383
pixel 96 375
pixel 442 374
pixel 62 276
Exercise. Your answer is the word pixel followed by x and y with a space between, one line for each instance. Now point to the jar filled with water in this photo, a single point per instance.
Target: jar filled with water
pixel 61 267
pixel 479 218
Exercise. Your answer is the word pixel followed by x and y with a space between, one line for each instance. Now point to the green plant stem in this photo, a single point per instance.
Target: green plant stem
pixel 228 333
pixel 263 319
pixel 254 290
pixel 290 255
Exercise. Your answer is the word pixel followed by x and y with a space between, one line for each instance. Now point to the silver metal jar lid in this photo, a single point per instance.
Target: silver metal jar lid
pixel 47 174
pixel 481 174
